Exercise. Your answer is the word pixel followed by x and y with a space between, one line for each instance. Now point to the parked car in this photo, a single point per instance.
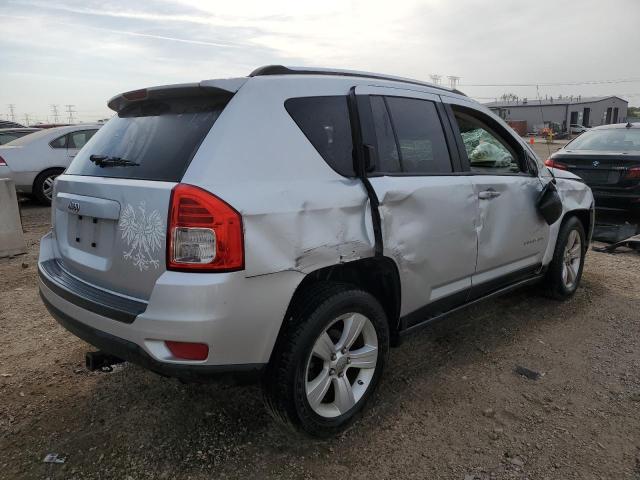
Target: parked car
pixel 10 134
pixel 607 158
pixel 35 160
pixel 295 224
pixel 577 129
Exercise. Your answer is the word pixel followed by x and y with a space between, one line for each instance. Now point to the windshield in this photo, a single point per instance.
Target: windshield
pixel 608 140
pixel 153 140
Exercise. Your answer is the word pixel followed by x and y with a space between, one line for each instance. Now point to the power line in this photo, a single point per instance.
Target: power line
pixel 13 112
pixel 70 111
pixel 54 110
pixel 553 84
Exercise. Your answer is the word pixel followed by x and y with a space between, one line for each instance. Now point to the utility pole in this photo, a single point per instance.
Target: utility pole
pixel 12 108
pixel 54 110
pixel 436 79
pixel 453 81
pixel 70 111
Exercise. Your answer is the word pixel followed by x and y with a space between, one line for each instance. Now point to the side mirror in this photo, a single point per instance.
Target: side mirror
pixel 549 203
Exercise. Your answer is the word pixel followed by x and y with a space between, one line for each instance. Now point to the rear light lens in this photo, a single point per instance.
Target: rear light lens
pixel 549 162
pixel 135 95
pixel 633 173
pixel 2 162
pixel 205 232
pixel 188 350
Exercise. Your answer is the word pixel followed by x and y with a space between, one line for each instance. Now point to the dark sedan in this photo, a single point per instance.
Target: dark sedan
pixel 607 158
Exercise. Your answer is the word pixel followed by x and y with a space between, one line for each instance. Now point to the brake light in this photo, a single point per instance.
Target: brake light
pixel 135 95
pixel 188 350
pixel 2 162
pixel 204 234
pixel 633 173
pixel 549 162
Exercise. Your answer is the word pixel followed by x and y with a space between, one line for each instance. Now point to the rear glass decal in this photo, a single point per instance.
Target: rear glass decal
pixel 142 232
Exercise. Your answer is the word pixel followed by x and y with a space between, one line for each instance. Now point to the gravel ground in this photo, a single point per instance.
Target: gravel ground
pixel 449 406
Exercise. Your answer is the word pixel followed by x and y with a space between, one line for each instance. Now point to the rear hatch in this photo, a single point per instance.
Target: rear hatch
pixel 595 168
pixel 111 205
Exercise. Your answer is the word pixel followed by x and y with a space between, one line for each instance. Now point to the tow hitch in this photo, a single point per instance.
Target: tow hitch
pixel 101 361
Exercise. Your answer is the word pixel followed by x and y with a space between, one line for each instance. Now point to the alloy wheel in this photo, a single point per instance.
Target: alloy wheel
pixel 571 259
pixel 341 365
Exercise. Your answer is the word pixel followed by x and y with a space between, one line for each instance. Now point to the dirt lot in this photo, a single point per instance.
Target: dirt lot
pixel 450 405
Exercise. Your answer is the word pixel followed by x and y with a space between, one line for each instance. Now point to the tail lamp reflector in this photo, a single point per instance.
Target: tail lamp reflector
pixel 205 233
pixel 188 350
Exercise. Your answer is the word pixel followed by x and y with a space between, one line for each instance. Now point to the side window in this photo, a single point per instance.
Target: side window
pixel 486 150
pixel 325 123
pixel 419 136
pixel 60 142
pixel 78 139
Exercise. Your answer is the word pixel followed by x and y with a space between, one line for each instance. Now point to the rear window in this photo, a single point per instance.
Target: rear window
pixel 160 136
pixel 325 122
pixel 608 140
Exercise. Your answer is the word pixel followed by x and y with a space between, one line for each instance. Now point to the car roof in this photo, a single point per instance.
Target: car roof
pixel 23 129
pixel 229 86
pixel 617 125
pixel 52 133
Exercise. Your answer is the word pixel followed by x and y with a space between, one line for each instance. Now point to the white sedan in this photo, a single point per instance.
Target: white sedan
pixel 34 161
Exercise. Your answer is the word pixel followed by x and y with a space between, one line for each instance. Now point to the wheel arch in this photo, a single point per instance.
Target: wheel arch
pixel 586 218
pixel 378 276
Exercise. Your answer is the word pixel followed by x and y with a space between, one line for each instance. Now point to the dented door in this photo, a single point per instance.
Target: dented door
pixel 427 210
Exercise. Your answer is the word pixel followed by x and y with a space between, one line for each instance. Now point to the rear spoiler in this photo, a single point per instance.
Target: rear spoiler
pixel 223 87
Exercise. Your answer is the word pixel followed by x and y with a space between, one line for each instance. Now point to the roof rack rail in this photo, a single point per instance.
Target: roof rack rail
pixel 283 70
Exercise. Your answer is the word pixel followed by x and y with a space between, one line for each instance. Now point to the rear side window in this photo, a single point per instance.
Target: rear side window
pixel 325 123
pixel 421 147
pixel 78 139
pixel 60 142
pixel 160 136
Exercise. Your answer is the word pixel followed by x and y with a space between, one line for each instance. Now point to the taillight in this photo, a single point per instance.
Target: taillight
pixel 633 173
pixel 188 350
pixel 2 162
pixel 204 234
pixel 549 162
pixel 135 95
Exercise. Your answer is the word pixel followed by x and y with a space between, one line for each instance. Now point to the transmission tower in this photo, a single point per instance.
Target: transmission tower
pixel 70 111
pixel 436 79
pixel 26 119
pixel 453 81
pixel 54 110
pixel 12 109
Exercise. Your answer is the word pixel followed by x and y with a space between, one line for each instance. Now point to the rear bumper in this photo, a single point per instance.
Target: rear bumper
pixel 239 318
pixel 133 353
pixel 617 199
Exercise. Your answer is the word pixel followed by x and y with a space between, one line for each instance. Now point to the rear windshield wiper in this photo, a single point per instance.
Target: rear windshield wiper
pixel 107 161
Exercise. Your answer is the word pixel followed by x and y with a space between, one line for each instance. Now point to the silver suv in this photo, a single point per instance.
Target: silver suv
pixel 295 224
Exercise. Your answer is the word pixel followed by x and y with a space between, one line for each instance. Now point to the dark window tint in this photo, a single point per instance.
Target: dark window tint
pixel 78 139
pixel 162 136
pixel 325 122
pixel 60 142
pixel 608 140
pixel 486 150
pixel 388 158
pixel 423 148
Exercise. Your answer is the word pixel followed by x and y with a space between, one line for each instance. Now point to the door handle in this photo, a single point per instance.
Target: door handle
pixel 488 194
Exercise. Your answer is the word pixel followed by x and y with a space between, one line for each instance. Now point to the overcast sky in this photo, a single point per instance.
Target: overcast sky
pixel 83 52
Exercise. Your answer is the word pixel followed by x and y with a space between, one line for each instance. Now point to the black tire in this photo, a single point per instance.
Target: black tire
pixel 40 185
pixel 555 285
pixel 284 381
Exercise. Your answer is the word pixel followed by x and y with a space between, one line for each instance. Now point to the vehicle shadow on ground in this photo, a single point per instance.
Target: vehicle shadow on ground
pixel 132 419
